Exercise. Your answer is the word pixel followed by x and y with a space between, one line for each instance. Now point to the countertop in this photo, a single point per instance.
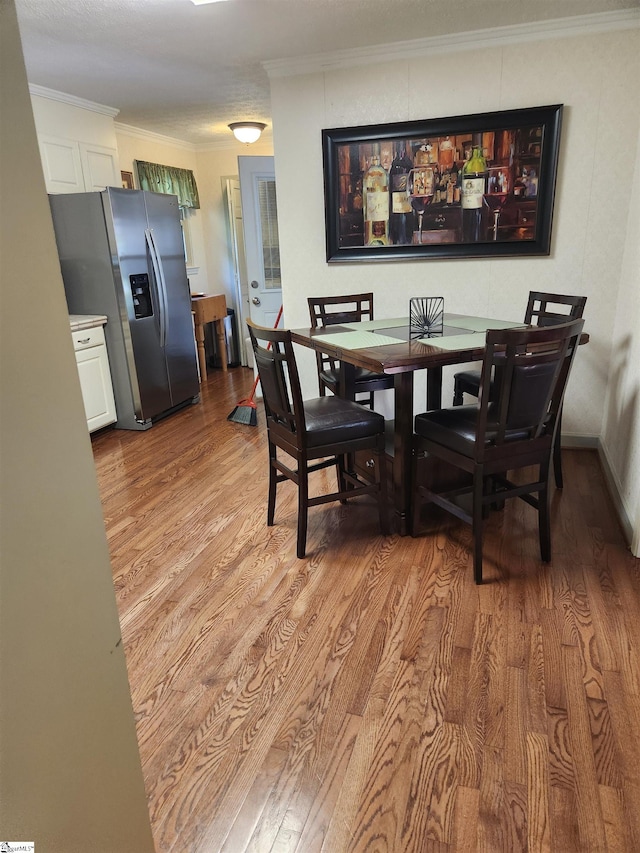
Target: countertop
pixel 86 321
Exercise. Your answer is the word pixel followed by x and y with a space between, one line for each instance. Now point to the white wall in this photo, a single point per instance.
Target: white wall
pixel 56 118
pixel 135 144
pixel 208 226
pixel 215 164
pixel 621 434
pixel 210 268
pixel 594 76
pixel 71 775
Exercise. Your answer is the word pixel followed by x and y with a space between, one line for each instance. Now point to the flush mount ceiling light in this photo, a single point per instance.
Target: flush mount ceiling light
pixel 247 131
pixel 203 2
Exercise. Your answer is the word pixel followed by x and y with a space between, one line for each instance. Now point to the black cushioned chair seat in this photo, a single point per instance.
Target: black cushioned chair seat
pixel 330 420
pixel 332 377
pixel 456 428
pixel 468 381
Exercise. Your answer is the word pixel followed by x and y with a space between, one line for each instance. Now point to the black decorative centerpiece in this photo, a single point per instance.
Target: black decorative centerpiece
pixel 426 316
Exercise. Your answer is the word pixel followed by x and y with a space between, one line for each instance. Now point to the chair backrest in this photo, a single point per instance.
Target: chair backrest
pixel 549 309
pixel 335 310
pixel 530 369
pixel 280 381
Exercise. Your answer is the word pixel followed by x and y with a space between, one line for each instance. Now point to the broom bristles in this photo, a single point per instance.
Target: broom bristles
pixel 244 413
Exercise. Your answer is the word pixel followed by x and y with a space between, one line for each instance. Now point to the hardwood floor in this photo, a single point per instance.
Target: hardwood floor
pixel 370 697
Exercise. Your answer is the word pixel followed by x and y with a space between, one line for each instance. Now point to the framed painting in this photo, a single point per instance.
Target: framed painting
pixel 460 187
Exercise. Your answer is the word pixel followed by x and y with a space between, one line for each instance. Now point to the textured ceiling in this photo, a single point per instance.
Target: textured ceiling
pixel 186 71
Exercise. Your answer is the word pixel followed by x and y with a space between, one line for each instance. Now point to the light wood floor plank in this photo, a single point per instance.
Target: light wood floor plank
pixel 370 697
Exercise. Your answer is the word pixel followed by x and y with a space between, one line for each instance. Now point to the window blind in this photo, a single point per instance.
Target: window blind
pixel 269 229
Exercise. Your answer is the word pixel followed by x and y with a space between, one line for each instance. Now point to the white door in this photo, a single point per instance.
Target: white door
pixel 240 282
pixel 262 251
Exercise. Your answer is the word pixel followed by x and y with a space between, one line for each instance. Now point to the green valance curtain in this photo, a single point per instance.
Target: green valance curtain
pixel 169 179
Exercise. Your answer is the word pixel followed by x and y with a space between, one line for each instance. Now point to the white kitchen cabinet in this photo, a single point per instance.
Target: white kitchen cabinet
pixel 95 377
pixel 74 167
pixel 99 167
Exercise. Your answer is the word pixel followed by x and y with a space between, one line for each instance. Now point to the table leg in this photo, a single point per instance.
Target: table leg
pixel 434 388
pixel 347 381
pixel 202 358
pixel 403 433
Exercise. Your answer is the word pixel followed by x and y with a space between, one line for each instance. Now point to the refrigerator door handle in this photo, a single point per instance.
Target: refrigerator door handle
pixel 161 286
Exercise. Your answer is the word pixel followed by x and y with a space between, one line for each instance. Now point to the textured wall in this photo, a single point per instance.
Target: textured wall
pixel 595 77
pixel 591 75
pixel 71 776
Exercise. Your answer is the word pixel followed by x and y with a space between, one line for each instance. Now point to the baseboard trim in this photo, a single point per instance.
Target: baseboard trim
pixel 572 440
pixel 615 490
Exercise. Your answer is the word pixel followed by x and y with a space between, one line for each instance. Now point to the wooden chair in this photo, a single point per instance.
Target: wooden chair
pixel 336 310
pixel 512 427
pixel 543 309
pixel 328 429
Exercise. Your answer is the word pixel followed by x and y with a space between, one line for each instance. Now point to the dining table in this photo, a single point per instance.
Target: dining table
pixel 394 347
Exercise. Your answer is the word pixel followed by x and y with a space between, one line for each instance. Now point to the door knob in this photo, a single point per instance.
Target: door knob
pixel 254 284
pixel 256 300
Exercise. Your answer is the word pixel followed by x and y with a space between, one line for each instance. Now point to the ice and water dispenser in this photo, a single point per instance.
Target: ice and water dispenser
pixel 141 294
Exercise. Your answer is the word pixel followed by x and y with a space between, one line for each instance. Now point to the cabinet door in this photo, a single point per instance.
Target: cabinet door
pixel 76 167
pixel 99 167
pixel 61 164
pixel 97 391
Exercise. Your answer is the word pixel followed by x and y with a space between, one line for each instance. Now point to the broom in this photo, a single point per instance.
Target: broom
pixel 245 412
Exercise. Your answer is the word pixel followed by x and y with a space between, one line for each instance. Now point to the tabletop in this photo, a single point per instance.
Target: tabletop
pixel 387 346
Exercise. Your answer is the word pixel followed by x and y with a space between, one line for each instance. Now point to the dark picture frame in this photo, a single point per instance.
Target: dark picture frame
pixel 127 180
pixel 428 189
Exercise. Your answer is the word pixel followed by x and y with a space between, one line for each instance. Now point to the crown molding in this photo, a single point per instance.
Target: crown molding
pixel 64 98
pixel 494 37
pixel 203 147
pixel 149 135
pixel 232 144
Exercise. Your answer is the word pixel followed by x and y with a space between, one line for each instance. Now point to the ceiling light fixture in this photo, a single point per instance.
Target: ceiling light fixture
pixel 247 131
pixel 204 2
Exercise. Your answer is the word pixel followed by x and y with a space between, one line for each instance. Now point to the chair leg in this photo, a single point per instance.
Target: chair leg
pixel 477 512
pixel 303 506
pixel 273 483
pixel 458 394
pixel 544 515
pixel 341 462
pixel 557 453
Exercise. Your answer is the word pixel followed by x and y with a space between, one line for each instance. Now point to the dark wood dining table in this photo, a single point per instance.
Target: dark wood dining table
pixel 389 346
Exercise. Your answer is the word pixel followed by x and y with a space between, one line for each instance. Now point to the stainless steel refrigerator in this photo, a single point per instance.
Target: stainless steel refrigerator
pixel 122 255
